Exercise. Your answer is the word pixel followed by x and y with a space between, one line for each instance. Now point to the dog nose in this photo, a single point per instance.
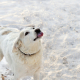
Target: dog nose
pixel 37 30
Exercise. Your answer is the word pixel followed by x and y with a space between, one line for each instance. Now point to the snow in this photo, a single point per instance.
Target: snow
pixel 60 22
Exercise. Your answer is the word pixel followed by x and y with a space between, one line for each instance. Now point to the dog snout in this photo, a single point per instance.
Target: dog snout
pixel 37 30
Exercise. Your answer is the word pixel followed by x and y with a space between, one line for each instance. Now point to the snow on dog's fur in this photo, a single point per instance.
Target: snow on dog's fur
pixel 22 50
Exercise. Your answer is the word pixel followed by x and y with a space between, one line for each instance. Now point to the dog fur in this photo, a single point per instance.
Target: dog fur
pixel 11 40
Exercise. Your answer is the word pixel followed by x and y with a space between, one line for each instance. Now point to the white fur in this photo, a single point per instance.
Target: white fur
pixel 22 65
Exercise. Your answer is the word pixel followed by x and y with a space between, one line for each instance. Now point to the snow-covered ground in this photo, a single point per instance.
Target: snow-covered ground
pixel 60 22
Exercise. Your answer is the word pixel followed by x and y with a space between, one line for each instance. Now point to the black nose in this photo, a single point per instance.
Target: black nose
pixel 37 30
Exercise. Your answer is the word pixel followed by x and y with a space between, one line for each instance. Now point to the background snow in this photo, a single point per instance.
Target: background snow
pixel 60 22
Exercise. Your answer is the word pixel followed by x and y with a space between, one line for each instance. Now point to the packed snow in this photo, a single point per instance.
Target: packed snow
pixel 60 22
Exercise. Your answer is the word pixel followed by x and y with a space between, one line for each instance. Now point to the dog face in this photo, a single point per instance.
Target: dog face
pixel 29 40
pixel 31 35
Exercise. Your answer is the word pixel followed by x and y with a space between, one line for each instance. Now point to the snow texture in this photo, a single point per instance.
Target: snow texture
pixel 60 22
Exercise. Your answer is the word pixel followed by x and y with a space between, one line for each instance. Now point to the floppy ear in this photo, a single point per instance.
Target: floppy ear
pixel 18 43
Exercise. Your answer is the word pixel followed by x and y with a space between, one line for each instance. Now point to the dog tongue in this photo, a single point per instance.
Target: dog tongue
pixel 40 34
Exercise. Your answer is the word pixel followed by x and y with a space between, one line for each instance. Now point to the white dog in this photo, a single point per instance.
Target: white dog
pixel 22 50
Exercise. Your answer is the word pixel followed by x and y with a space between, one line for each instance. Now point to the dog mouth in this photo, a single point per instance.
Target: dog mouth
pixel 39 34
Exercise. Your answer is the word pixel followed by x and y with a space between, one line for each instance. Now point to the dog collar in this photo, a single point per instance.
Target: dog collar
pixel 27 54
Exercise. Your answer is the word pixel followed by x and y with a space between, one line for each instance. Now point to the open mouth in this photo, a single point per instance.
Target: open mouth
pixel 39 35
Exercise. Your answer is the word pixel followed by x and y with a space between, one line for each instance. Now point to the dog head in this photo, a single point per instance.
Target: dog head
pixel 29 40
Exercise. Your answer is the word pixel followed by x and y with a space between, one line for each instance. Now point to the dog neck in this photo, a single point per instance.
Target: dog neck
pixel 28 54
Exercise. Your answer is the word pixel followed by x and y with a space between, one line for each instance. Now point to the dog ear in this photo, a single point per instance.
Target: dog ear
pixel 18 43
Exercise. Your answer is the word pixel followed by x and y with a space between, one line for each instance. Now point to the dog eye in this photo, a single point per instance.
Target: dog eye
pixel 33 28
pixel 26 33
